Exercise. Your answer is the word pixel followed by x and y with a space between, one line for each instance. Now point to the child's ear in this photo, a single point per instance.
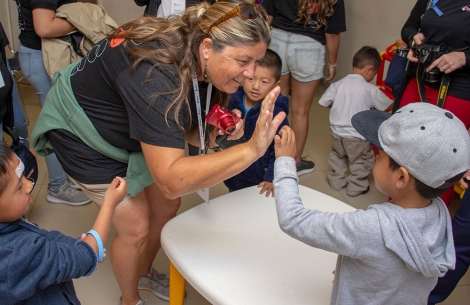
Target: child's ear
pixel 403 178
pixel 278 83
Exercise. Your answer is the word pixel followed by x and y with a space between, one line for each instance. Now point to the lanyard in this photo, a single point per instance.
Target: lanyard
pixel 198 107
pixel 432 5
pixel 205 192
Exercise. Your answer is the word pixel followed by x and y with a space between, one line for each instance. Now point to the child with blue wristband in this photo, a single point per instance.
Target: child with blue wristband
pixel 37 266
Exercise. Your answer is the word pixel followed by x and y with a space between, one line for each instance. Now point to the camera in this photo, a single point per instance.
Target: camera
pixel 427 54
pixel 222 119
pixel 402 52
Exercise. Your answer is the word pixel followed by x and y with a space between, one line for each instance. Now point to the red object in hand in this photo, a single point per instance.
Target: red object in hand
pixel 222 119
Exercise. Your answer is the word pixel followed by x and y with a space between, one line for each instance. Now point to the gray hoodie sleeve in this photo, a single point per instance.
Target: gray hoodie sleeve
pixel 328 231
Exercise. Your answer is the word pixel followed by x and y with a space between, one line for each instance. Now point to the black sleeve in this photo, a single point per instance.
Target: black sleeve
pixel 269 6
pixel 467 58
pixel 49 4
pixel 413 24
pixel 337 22
pixel 149 121
pixel 141 2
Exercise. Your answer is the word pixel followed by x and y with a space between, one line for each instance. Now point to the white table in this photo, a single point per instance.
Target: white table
pixel 232 251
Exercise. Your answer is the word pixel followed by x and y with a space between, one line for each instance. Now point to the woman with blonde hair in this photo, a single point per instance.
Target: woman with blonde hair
pixel 129 106
pixel 300 31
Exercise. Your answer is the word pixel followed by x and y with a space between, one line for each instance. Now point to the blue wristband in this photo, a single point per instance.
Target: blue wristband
pixel 100 244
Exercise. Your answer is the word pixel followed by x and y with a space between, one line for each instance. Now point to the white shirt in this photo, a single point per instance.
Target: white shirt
pixel 170 7
pixel 348 96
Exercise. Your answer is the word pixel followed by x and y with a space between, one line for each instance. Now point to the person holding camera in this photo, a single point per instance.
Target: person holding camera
pixel 152 80
pixel 438 33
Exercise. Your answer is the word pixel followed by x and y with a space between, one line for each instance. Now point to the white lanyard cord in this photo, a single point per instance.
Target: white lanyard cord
pixel 199 115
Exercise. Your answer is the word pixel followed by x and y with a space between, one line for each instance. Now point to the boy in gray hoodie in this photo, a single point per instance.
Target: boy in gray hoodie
pixel 391 253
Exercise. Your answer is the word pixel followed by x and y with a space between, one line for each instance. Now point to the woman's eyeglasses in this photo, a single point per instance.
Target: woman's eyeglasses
pixel 245 11
pixel 32 181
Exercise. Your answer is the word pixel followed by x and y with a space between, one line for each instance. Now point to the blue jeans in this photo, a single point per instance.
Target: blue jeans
pixel 461 231
pixel 35 73
pixel 21 126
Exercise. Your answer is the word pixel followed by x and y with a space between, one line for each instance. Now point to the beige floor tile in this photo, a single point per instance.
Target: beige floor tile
pixel 460 296
pixel 319 148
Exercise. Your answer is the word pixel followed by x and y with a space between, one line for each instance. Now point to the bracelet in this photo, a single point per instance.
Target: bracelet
pixel 333 66
pixel 99 242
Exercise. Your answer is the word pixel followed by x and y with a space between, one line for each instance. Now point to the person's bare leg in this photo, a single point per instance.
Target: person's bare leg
pixel 129 246
pixel 161 210
pixel 301 99
pixel 285 84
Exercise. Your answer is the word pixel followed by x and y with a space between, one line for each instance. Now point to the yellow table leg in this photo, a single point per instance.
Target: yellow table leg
pixel 177 283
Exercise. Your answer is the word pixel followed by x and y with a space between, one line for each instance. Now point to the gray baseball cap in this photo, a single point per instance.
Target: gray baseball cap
pixel 430 142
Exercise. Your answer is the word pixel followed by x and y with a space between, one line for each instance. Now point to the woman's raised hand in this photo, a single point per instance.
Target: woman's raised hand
pixel 266 126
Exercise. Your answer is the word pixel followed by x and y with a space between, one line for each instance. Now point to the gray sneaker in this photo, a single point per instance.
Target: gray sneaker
pixel 157 283
pixel 72 184
pixel 68 195
pixel 141 302
pixel 305 167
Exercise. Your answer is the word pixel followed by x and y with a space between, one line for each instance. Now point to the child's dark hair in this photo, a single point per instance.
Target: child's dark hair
pixel 367 56
pixel 271 61
pixel 427 191
pixel 6 155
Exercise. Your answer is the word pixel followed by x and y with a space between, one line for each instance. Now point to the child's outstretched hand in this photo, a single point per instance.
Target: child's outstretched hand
pixel 267 187
pixel 116 191
pixel 284 143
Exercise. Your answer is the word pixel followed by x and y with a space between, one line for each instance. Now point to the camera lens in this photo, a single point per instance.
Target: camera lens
pixel 227 124
pixel 433 76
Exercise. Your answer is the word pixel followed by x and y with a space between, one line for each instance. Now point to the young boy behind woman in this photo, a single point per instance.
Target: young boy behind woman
pixel 392 253
pixel 248 100
pixel 37 266
pixel 347 97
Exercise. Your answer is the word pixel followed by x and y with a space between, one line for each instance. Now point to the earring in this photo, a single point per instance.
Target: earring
pixel 206 74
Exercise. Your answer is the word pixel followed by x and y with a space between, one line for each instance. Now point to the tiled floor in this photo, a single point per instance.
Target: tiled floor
pixel 101 288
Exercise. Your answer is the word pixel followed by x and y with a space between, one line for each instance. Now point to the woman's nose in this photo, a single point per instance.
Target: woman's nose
pixel 250 71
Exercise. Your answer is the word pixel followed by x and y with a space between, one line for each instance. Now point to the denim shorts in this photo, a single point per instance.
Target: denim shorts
pixel 303 57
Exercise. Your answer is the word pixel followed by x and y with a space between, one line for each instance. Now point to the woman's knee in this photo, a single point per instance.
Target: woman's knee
pixel 131 220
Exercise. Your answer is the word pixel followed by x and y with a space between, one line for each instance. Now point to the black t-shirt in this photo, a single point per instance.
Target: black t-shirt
pixel 452 28
pixel 284 14
pixel 122 106
pixel 28 36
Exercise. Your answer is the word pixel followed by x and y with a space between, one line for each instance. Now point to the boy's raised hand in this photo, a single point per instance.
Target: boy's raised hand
pixel 116 191
pixel 284 143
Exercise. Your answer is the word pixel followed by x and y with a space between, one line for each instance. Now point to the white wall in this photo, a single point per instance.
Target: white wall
pixel 369 22
pixel 376 23
pixel 122 10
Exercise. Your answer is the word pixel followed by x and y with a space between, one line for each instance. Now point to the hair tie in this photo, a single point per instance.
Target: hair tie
pixel 200 12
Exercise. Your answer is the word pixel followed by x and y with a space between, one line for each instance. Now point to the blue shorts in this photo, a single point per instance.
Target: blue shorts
pixel 303 57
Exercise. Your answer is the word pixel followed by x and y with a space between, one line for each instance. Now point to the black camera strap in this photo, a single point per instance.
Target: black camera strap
pixel 443 88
